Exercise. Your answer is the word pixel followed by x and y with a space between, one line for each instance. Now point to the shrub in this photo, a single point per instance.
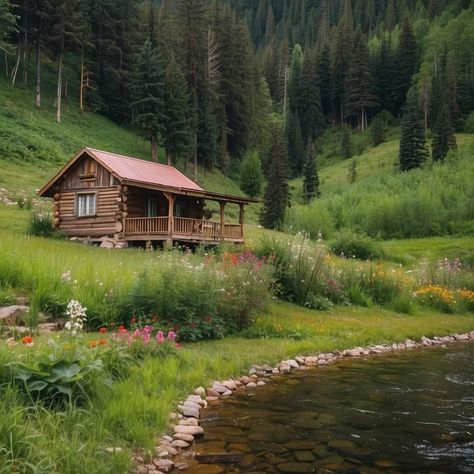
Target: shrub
pixel 251 178
pixel 469 123
pixel 58 376
pixel 206 298
pixel 349 244
pixel 437 297
pixel 41 226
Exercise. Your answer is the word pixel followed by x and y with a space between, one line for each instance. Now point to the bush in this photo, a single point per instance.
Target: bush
pixel 351 245
pixel 42 226
pixel 469 123
pixel 203 299
pixel 251 178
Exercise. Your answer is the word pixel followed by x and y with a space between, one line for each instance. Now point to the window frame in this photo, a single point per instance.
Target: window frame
pixel 83 194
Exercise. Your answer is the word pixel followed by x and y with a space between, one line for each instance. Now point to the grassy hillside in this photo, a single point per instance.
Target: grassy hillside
pixel 33 146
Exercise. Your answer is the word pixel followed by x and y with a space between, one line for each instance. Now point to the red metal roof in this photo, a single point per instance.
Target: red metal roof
pixel 141 171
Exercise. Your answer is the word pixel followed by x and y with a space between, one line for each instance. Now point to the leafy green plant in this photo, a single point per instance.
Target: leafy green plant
pixel 58 377
pixel 351 245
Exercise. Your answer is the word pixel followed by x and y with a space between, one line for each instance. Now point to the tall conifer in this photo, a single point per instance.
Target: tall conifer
pixel 147 96
pixel 413 152
pixel 277 194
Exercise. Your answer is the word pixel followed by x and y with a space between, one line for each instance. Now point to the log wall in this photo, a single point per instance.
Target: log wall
pixel 107 220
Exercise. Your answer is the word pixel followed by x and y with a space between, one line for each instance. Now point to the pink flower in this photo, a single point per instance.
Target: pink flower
pixel 171 336
pixel 146 338
pixel 136 333
pixel 160 338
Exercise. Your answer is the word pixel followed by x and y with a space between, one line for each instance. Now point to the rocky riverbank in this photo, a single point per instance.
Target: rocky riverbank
pixel 184 423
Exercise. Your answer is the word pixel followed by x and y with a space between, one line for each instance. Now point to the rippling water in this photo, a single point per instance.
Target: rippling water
pixel 399 413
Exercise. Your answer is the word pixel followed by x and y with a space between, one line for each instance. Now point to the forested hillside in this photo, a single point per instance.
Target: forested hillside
pixel 259 83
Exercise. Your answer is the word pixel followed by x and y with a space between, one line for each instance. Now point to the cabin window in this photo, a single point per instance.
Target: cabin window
pixel 86 204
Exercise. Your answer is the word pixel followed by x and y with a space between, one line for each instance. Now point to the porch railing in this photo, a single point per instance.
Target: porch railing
pixel 146 225
pixel 182 226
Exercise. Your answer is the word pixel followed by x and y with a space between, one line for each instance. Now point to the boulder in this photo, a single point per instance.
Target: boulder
pixel 13 315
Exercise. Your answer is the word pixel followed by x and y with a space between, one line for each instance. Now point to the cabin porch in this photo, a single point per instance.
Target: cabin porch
pixel 167 216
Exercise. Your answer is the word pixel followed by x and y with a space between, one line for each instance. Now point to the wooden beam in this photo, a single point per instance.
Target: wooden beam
pixel 171 198
pixel 222 206
pixel 241 218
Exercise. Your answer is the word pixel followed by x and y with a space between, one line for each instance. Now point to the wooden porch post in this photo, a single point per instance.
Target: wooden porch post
pixel 222 205
pixel 171 198
pixel 241 218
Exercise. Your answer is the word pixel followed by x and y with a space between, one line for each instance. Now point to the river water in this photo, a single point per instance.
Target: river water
pixel 410 412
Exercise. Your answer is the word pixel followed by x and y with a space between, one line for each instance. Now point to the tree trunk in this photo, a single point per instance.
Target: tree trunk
pixel 195 155
pixel 38 67
pixel 6 64
pixel 154 150
pixel 168 158
pixel 25 42
pixel 17 65
pixel 81 87
pixel 59 88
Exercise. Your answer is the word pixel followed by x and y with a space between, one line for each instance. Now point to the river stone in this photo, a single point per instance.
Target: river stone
pixel 164 465
pixel 184 437
pixel 190 412
pixel 322 362
pixel 191 404
pixel 200 392
pixel 353 352
pixel 300 360
pixel 239 447
pixel 342 444
pixel 304 456
pixel 311 360
pixel 292 363
pixel 230 384
pixel 192 430
pixel 251 384
pixel 179 443
pixel 298 467
pixel 386 463
pixel 208 469
pixel 333 460
pixel 212 393
pixel 196 399
pixel 189 422
pixel 462 337
pixel 284 367
pixel 299 445
pixel 260 383
pixel 327 419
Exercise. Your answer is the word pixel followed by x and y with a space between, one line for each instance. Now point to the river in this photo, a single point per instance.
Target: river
pixel 407 412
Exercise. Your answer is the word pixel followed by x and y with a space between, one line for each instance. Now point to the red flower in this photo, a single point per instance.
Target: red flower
pixel 27 340
pixel 122 329
pixel 93 344
pixel 102 342
pixel 103 330
pixel 209 319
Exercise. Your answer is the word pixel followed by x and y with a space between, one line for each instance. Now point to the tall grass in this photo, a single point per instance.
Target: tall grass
pixel 436 200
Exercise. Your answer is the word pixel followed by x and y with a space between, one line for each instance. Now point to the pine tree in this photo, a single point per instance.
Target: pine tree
pixel 147 96
pixel 176 123
pixel 377 131
pixel 325 80
pixel 260 117
pixel 8 22
pixel 277 195
pixel 309 102
pixel 251 177
pixel 346 142
pixel 295 143
pixel 413 152
pixel 359 96
pixel 407 59
pixel 443 134
pixel 310 175
pixel 352 171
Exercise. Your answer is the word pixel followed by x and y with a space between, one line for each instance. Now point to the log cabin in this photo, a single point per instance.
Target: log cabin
pixel 105 196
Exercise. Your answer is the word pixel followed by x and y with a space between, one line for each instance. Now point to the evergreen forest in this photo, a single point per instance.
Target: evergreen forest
pixel 219 84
